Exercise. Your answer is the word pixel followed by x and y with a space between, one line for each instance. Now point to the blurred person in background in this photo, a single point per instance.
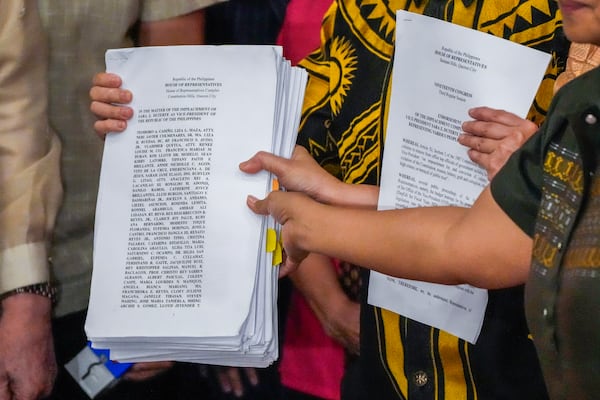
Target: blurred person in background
pixel 79 33
pixel 30 195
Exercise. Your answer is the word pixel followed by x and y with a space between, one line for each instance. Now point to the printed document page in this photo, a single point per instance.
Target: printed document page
pixel 441 70
pixel 179 259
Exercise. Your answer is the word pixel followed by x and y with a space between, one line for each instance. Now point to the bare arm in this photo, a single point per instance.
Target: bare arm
pixel 317 280
pixel 480 246
pixel 302 173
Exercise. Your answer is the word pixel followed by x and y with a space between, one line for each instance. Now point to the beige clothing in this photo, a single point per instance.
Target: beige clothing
pixel 30 188
pixel 79 32
pixel 582 58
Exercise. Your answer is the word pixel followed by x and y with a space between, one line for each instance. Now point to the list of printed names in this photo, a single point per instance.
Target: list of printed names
pixel 171 176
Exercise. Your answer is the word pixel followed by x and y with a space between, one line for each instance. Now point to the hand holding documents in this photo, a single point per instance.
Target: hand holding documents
pixel 441 70
pixel 183 270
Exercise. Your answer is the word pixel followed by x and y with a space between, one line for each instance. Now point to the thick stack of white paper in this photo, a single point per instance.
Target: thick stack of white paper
pixel 183 270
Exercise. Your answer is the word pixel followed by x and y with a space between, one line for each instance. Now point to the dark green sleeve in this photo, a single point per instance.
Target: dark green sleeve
pixel 517 186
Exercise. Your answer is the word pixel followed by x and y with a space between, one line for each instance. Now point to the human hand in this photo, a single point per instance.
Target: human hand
pixel 146 370
pixel 286 208
pixel 108 101
pixel 493 136
pixel 231 380
pixel 300 173
pixel 27 362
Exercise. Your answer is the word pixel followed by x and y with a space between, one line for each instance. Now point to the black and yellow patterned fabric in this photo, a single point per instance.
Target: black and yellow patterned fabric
pixel 556 174
pixel 343 127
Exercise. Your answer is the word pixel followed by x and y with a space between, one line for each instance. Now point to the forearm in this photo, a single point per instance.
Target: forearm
pixel 403 243
pixel 449 245
pixel 317 280
pixel 26 307
pixel 185 29
pixel 351 195
pixel 301 173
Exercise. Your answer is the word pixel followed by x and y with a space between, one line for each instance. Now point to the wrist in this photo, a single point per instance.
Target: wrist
pixel 26 307
pixel 352 195
pixel 332 194
pixel 306 234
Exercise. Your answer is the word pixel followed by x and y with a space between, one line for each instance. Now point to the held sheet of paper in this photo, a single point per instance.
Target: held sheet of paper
pixel 177 253
pixel 440 71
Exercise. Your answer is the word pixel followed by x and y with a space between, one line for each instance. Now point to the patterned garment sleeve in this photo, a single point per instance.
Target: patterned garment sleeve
pixel 30 187
pixel 317 114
